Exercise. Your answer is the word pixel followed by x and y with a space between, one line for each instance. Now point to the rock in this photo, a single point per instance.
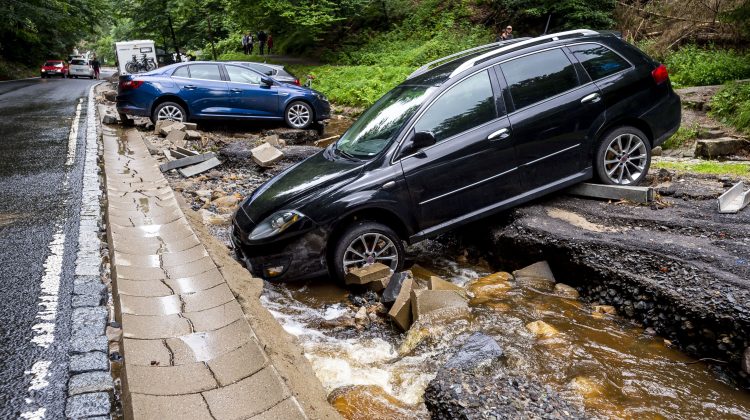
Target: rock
pixel 298 153
pixel 367 274
pixel 361 318
pixel 711 148
pixel 400 312
pixel 746 361
pixel 293 136
pixel 435 326
pixel 162 124
pixel 229 201
pixel 566 291
pixel 542 329
pixel 190 126
pixel 113 334
pixel 656 151
pixel 203 193
pixel 586 387
pixel 419 272
pixel 177 137
pixel 109 119
pixel 712 133
pixel 426 301
pixel 394 287
pixel 213 219
pixel 236 153
pixel 110 95
pixel 368 402
pixel 537 275
pixel 605 309
pixel 478 351
pixel 88 405
pixel 266 155
pixel 489 288
pixel 436 283
pixel 273 141
pixel 97 381
pixel 193 135
pixel 344 321
pixel 167 128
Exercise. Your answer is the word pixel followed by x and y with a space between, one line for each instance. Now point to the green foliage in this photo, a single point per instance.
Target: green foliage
pixel 529 17
pixel 12 70
pixel 709 167
pixel 695 66
pixel 731 105
pixel 682 136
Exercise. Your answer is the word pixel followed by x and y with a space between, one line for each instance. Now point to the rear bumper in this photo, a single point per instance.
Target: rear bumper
pixel 664 118
pixel 125 105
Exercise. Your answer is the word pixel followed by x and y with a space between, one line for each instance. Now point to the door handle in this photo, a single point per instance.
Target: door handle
pixel 500 134
pixel 235 90
pixel 190 87
pixel 591 98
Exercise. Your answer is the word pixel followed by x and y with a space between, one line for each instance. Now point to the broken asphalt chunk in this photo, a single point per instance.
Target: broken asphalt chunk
pixel 186 161
pixel 201 167
pixel 266 155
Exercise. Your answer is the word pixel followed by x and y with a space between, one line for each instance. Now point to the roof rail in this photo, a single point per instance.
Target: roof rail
pixel 427 66
pixel 551 37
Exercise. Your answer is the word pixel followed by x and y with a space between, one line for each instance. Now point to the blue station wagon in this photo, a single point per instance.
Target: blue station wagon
pixel 210 90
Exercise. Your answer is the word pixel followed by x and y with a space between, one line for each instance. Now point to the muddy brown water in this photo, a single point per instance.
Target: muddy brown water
pixel 602 361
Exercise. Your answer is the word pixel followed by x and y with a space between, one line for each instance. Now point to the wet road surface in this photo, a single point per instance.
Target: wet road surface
pixel 40 198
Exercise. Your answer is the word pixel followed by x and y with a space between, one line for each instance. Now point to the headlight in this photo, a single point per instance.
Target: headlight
pixel 276 223
pixel 320 96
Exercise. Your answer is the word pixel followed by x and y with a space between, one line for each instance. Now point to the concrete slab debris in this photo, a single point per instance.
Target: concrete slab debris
pixel 186 152
pixel 614 192
pixel 109 119
pixel 162 124
pixel 734 199
pixel 539 269
pixel 201 167
pixel 193 134
pixel 711 148
pixel 165 129
pixel 394 287
pixel 266 155
pixel 437 283
pixel 367 274
pixel 273 141
pixel 186 161
pixel 190 126
pixel 168 155
pixel 177 138
pixel 400 312
pixel 426 301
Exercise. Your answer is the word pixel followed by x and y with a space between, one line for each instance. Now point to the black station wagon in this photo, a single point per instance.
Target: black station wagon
pixel 462 138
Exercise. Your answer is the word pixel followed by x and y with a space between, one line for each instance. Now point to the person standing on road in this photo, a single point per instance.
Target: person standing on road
pixel 270 43
pixel 245 40
pixel 262 38
pixel 95 64
pixel 250 43
pixel 508 32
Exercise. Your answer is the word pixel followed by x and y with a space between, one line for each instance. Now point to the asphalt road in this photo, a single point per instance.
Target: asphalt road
pixel 40 199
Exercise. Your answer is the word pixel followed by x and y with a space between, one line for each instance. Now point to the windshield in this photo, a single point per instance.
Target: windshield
pixel 78 62
pixel 377 127
pixel 53 64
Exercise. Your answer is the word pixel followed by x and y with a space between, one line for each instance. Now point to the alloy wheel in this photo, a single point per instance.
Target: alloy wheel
pixel 298 115
pixel 370 248
pixel 625 159
pixel 171 113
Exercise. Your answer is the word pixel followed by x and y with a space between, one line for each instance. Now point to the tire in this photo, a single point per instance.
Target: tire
pixel 349 246
pixel 130 67
pixel 169 111
pixel 623 157
pixel 299 115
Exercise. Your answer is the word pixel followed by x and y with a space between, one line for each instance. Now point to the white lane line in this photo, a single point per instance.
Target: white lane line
pixel 34 415
pixel 73 137
pixel 40 372
pixel 44 331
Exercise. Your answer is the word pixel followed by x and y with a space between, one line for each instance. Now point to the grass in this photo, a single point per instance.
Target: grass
pixel 695 66
pixel 10 70
pixel 709 168
pixel 682 136
pixel 731 105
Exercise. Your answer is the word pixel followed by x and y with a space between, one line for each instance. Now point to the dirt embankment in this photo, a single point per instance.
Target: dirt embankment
pixel 678 267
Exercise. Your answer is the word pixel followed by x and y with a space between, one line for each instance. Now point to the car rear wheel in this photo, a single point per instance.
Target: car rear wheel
pixel 169 111
pixel 623 157
pixel 299 115
pixel 365 243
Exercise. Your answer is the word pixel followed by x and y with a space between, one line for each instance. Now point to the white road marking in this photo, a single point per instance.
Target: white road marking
pixel 44 332
pixel 34 415
pixel 40 371
pixel 73 137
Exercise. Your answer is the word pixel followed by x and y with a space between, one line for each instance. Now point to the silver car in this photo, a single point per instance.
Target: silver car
pixel 277 72
pixel 80 68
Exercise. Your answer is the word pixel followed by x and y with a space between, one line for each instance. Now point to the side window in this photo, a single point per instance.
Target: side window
pixel 205 71
pixel 242 75
pixel 598 60
pixel 466 105
pixel 181 72
pixel 539 76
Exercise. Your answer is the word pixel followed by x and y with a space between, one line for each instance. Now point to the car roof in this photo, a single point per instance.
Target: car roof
pixel 452 65
pixel 274 66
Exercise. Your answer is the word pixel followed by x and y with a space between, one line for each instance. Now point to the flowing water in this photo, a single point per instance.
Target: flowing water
pixel 601 360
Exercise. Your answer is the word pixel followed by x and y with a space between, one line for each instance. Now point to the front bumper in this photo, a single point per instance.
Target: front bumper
pixel 293 258
pixel 322 110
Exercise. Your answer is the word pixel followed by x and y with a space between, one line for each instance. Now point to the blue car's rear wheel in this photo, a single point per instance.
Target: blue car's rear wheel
pixel 169 111
pixel 298 115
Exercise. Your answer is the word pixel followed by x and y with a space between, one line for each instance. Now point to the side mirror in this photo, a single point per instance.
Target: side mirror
pixel 269 73
pixel 266 81
pixel 423 139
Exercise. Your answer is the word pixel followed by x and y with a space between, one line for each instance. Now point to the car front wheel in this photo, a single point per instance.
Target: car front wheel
pixel 623 157
pixel 299 115
pixel 365 243
pixel 169 111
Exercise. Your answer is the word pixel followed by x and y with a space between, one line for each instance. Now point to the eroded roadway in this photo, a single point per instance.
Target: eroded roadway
pixel 40 198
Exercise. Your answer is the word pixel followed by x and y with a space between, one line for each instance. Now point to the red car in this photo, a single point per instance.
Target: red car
pixel 54 68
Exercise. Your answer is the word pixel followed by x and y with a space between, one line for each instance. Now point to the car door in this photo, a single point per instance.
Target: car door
pixel 203 89
pixel 250 97
pixel 553 119
pixel 472 166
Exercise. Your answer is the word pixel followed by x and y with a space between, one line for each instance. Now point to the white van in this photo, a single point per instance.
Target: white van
pixel 135 56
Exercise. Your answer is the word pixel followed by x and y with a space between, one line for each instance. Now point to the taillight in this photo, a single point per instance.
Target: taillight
pixel 130 84
pixel 660 74
pixel 296 82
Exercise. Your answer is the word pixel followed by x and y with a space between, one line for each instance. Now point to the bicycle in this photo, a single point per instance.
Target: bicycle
pixel 137 66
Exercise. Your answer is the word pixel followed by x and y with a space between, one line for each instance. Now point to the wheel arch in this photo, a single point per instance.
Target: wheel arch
pixel 300 99
pixel 169 98
pixel 374 214
pixel 623 122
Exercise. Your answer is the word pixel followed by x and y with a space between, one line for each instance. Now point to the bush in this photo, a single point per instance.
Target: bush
pixel 731 105
pixel 694 66
pixel 682 136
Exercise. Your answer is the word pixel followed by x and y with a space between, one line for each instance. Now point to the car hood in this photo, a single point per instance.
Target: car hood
pixel 314 173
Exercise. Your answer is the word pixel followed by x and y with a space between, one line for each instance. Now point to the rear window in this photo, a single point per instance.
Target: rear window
pixel 53 64
pixel 78 62
pixel 598 60
pixel 205 71
pixel 539 76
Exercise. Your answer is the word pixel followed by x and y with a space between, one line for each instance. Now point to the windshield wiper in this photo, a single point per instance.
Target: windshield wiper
pixel 340 152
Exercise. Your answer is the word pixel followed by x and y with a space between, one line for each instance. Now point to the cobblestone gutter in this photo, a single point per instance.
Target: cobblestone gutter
pixel 90 386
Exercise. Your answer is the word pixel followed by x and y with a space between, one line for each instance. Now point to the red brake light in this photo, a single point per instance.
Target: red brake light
pixel 296 82
pixel 130 84
pixel 660 74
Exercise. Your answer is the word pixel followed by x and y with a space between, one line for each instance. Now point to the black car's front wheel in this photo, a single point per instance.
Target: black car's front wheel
pixel 169 111
pixel 623 157
pixel 364 243
pixel 299 115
